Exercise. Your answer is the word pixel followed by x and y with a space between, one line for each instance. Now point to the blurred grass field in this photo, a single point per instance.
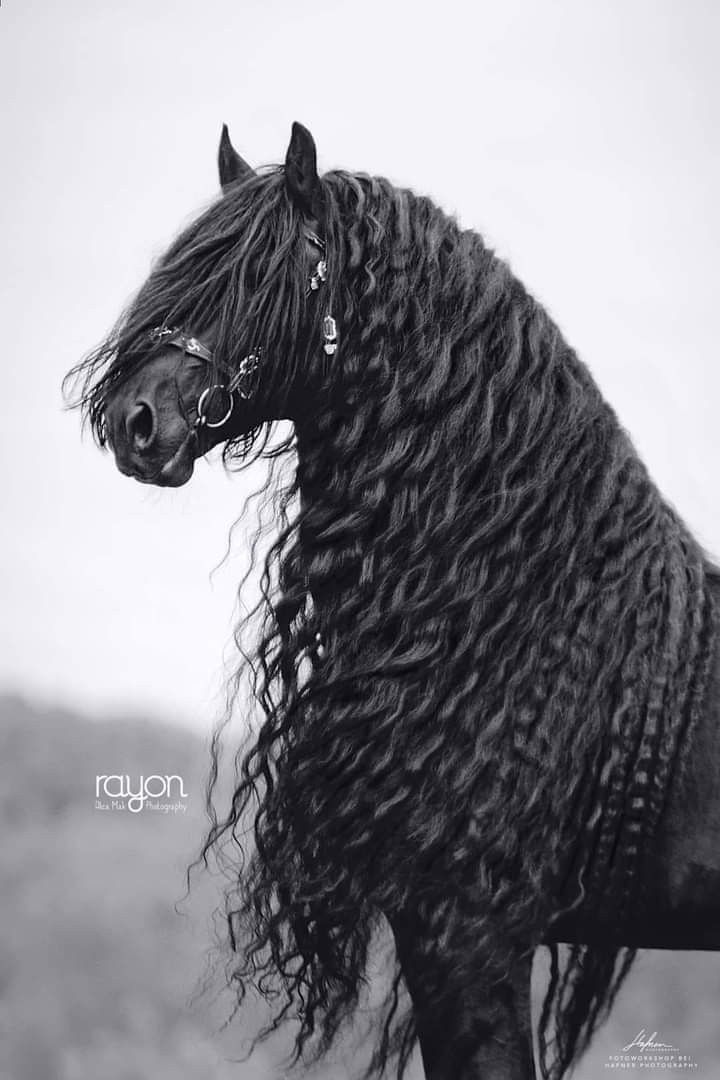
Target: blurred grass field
pixel 99 972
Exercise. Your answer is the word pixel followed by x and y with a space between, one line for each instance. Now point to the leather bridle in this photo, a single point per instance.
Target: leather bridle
pixel 242 382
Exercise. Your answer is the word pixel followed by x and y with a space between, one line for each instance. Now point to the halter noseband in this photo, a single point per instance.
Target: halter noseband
pixel 243 381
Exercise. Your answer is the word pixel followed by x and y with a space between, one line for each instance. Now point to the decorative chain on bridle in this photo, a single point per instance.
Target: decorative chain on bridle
pixel 243 382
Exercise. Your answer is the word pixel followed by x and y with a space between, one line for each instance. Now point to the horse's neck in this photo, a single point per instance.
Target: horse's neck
pixel 682 876
pixel 689 835
pixel 699 783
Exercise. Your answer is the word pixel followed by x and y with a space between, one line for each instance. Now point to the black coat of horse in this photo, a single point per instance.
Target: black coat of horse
pixel 488 663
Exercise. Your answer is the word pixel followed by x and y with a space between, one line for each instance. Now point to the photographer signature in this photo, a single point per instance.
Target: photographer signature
pixel 646 1042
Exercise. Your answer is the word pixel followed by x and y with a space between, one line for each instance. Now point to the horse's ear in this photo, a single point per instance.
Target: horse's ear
pixel 230 165
pixel 301 175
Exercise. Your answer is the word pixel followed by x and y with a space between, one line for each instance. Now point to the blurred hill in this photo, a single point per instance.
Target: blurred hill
pixel 99 973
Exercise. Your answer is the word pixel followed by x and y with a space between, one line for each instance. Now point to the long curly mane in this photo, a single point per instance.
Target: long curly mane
pixel 485 635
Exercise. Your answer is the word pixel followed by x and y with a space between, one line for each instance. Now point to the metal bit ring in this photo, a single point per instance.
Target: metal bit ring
pixel 202 420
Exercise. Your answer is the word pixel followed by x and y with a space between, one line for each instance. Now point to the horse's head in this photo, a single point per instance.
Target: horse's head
pixel 211 348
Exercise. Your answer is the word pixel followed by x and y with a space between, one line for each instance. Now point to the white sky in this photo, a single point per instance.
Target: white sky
pixel 582 139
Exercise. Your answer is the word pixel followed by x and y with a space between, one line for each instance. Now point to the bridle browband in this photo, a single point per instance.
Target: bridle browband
pixel 243 382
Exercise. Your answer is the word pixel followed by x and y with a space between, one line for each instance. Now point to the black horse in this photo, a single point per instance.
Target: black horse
pixel 488 664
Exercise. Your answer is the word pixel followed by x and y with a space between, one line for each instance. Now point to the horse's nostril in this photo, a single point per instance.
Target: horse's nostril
pixel 140 425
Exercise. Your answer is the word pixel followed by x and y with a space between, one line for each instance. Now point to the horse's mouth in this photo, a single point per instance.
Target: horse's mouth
pixel 175 472
pixel 178 470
